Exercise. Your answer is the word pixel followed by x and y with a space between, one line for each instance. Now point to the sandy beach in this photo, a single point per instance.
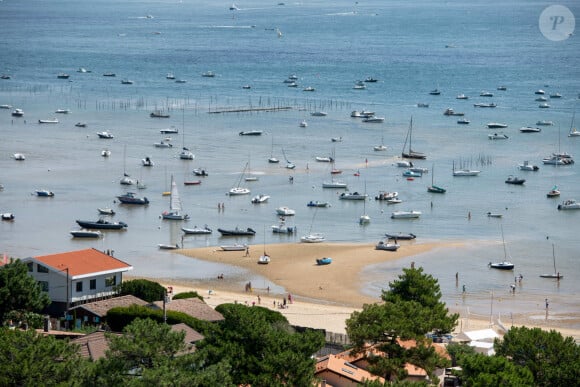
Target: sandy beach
pixel 325 296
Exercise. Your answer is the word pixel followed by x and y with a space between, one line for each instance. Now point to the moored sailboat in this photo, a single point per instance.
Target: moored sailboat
pixel 175 212
pixel 410 153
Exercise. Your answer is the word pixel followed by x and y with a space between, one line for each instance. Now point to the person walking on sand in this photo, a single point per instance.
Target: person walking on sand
pixel 247 251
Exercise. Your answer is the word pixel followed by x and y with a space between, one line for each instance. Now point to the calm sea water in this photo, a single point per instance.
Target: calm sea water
pixel 458 47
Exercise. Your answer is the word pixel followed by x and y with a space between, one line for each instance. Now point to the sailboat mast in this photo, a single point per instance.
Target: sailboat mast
pixel 554 258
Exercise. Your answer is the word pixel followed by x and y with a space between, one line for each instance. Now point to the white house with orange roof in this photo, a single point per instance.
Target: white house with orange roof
pixel 76 277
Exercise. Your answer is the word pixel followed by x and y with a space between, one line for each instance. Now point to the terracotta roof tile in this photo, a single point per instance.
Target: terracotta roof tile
pixel 82 262
pixel 336 365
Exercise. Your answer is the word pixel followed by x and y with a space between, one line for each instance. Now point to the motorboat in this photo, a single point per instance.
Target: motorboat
pixel 105 134
pixel 496 125
pixel 386 195
pixel 541 99
pixel 81 124
pixel 539 92
pixel 170 76
pixel 126 82
pixel 192 182
pixel 502 88
pixel 336 139
pixel 131 198
pixel 171 130
pixel 463 121
pixel 7 216
pixel 423 105
pixel 102 224
pixel 63 76
pixel 497 136
pixel 486 94
pixel 359 86
pixel 484 105
pixel 515 180
pixel 313 238
pixel 319 114
pixel 494 215
pixel 158 114
pixel 324 159
pixel 106 211
pixel 323 261
pixel 261 198
pixel 544 105
pixel 404 164
pixel 237 232
pixel 19 156
pixel 62 111
pixel 205 230
pixel 147 162
pixel 405 214
pixel 303 124
pixel 374 119
pixel 526 166
pixel 352 196
pixel 127 180
pixel 387 246
pixel 165 246
pixel 86 233
pixel 557 160
pixel 435 92
pixel 462 96
pixel 465 172
pixel 5 106
pixel 555 95
pixel 83 70
pixel 529 129
pixel 109 75
pixel 200 172
pixel 234 247
pixel 44 193
pixel 371 80
pixel 282 228
pixel 309 88
pixel 451 112
pixel 105 153
pixel 48 121
pixel 163 144
pixel 17 113
pixel 355 114
pixel 208 74
pixel 285 211
pixel 409 173
pixel 569 204
pixel 238 191
pixel 545 123
pixel 504 265
pixel 380 148
pixel 400 236
pixel 317 204
pixel 394 201
pixel 251 133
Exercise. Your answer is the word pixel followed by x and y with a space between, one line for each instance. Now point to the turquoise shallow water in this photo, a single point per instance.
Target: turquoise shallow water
pixel 410 48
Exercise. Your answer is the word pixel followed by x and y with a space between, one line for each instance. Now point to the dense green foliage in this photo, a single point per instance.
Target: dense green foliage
pixel 141 288
pixel 118 318
pixel 29 359
pixel 484 371
pixel 19 291
pixel 262 349
pixel 552 359
pixel 412 308
pixel 192 294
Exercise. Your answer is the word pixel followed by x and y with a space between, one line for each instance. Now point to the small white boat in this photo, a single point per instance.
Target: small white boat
pixel 497 136
pixel 545 123
pixel 17 113
pixel 264 259
pixel 19 156
pixel 569 204
pixel 285 211
pixel 494 215
pixel 313 238
pixel 106 211
pixel 163 144
pixel 44 193
pixel 147 162
pixel 127 82
pixel 324 159
pixel 387 246
pixel 405 214
pixel 352 196
pixel 336 139
pixel 544 105
pixel 404 164
pixel 62 111
pixel 303 124
pixel 5 106
pixel 197 230
pixel 380 148
pixel 386 195
pixel 105 134
pixel 540 92
pixel 281 228
pixel 238 191
pixel 309 88
pixel 553 193
pixel 465 172
pixel 164 246
pixel 234 247
pixel 261 198
pixel 208 74
pixel 86 233
pixel 462 96
pixel 485 94
pixel 484 105
pixel 105 153
pixel 463 121
pixel 48 121
pixel 374 119
pixel 335 184
pixel 319 114
pixel 555 95
pixel 7 216
pixel 496 125
pixel 526 166
pixel 81 124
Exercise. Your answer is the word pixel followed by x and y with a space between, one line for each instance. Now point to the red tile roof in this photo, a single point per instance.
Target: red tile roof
pixel 83 262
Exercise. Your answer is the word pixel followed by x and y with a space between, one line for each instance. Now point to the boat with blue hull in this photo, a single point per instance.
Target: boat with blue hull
pixel 102 224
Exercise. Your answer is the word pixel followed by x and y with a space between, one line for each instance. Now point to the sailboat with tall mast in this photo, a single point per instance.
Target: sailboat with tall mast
pixel 435 188
pixel 556 273
pixel 364 218
pixel 573 131
pixel 237 190
pixel 505 264
pixel 126 179
pixel 185 153
pixel 175 210
pixel 410 153
pixel 313 237
pixel 272 159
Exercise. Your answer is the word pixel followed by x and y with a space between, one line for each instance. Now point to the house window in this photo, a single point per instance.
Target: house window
pixel 41 269
pixel 93 284
pixel 43 285
pixel 79 286
pixel 30 266
pixel 111 281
